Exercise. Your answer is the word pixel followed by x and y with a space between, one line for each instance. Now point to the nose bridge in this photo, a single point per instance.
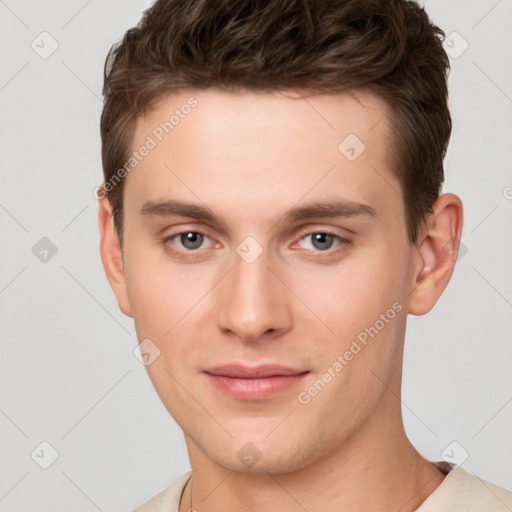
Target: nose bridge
pixel 252 299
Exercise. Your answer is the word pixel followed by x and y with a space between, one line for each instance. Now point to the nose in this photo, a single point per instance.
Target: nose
pixel 253 303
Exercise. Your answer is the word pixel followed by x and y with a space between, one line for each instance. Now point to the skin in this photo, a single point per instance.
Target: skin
pixel 250 159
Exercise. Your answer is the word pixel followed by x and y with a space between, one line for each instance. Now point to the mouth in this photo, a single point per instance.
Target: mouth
pixel 254 383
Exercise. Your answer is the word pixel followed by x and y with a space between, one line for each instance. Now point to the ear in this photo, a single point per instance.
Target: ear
pixel 111 255
pixel 437 249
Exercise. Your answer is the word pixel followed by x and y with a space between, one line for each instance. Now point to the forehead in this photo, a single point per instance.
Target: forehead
pixel 269 146
pixel 275 117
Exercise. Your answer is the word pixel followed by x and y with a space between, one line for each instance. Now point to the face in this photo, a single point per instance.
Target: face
pixel 263 229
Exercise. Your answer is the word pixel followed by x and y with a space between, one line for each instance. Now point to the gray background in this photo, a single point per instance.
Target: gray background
pixel 68 373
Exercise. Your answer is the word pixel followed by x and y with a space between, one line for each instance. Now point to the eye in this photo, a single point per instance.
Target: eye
pixel 321 241
pixel 189 240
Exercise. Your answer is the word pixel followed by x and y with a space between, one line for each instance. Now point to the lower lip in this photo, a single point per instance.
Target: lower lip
pixel 255 389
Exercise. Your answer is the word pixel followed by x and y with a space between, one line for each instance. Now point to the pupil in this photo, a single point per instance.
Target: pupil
pixel 322 240
pixel 192 240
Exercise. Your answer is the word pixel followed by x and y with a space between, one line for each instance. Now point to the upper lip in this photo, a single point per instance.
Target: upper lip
pixel 252 372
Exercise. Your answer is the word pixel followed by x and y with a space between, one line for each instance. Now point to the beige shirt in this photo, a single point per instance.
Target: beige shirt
pixel 460 491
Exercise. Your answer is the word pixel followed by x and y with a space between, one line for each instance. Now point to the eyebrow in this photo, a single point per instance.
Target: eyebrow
pixel 329 209
pixel 171 207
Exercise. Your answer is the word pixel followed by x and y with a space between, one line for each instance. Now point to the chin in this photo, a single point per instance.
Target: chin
pixel 259 453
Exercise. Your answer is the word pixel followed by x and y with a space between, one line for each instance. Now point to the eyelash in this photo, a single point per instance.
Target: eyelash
pixel 183 252
pixel 338 241
pixel 341 242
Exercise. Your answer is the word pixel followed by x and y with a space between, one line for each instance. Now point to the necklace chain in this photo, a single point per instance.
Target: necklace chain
pixel 191 508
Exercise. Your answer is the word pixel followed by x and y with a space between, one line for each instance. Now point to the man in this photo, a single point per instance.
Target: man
pixel 271 215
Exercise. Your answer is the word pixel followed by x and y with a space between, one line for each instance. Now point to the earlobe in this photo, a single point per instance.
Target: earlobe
pixel 111 255
pixel 437 245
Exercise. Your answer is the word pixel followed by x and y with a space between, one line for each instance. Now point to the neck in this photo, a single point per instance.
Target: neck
pixel 395 477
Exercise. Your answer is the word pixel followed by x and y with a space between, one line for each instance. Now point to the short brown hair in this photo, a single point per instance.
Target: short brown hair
pixel 389 47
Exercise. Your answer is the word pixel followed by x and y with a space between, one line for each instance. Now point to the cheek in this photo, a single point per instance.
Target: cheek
pixel 160 292
pixel 172 307
pixel 360 313
pixel 353 294
pixel 163 297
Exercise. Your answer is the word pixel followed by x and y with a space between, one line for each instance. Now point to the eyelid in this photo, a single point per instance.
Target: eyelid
pixel 342 240
pixel 328 231
pixel 181 228
pixel 169 243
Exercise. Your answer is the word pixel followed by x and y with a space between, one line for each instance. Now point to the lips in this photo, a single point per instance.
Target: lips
pixel 254 383
pixel 254 372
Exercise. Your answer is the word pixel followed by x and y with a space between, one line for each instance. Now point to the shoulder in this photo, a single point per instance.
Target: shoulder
pixel 167 500
pixel 461 491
